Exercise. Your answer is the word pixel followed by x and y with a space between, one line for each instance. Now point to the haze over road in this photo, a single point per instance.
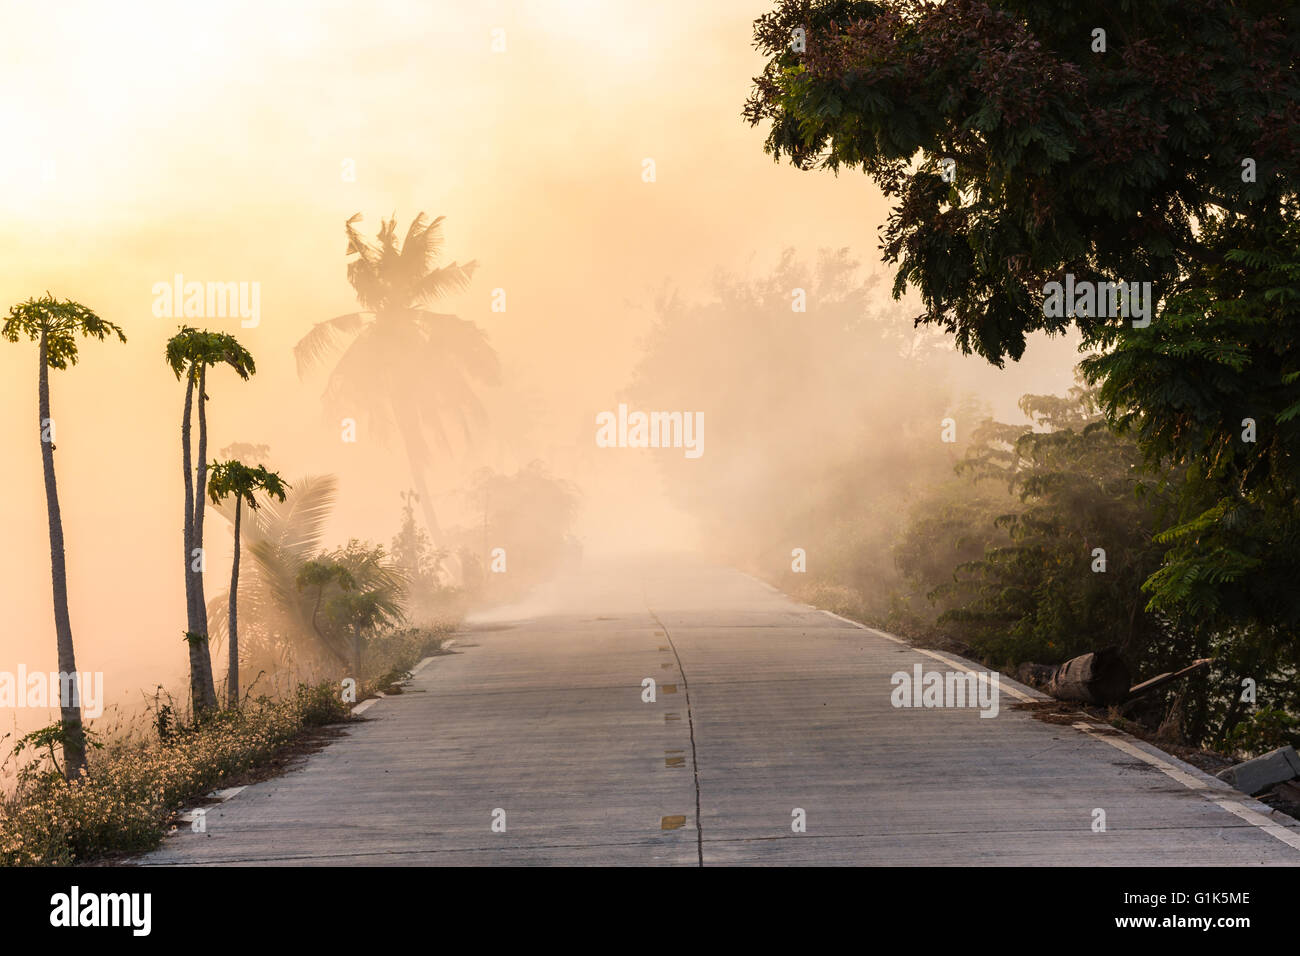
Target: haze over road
pixel 763 706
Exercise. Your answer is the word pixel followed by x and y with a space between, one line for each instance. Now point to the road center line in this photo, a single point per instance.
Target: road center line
pixel 690 721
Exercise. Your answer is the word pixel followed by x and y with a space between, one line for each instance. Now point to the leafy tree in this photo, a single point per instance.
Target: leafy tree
pixel 1102 164
pixel 406 365
pixel 55 326
pixel 1216 384
pixel 413 552
pixel 235 479
pixel 191 352
pixel 353 590
pixel 1039 590
pixel 1018 580
pixel 1170 157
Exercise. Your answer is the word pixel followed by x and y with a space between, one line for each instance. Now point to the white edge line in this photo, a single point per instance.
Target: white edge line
pixel 1005 684
pixel 1195 780
pixel 1287 834
pixel 369 702
pixel 229 793
pixel 771 587
pixel 221 796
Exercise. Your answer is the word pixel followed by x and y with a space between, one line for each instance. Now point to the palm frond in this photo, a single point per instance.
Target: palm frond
pixel 443 281
pixel 423 242
pixel 358 243
pixel 325 338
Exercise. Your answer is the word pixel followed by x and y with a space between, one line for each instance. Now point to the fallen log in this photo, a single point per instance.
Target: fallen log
pixel 1100 677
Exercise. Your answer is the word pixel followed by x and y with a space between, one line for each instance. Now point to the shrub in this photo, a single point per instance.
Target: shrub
pixel 125 800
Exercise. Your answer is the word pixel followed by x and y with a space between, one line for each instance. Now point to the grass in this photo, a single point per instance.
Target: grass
pixel 136 783
pixel 130 792
pixel 390 658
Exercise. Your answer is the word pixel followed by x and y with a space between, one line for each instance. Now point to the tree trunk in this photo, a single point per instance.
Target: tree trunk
pixel 203 694
pixel 232 676
pixel 408 428
pixel 201 489
pixel 74 740
pixel 356 653
pixel 1101 677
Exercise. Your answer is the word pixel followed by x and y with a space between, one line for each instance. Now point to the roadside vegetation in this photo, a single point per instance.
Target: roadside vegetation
pixel 848 497
pixel 307 628
pixel 993 129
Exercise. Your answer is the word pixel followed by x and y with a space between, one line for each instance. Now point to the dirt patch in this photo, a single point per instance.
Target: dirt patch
pixel 1053 711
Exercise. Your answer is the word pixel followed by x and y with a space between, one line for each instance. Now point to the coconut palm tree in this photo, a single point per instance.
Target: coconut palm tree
pixel 55 325
pixel 190 352
pixel 235 478
pixel 405 366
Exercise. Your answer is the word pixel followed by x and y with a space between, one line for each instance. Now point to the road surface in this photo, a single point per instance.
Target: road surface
pixel 531 744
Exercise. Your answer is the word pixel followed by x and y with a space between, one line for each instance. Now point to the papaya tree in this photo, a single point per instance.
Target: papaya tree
pixel 234 478
pixel 190 353
pixel 55 325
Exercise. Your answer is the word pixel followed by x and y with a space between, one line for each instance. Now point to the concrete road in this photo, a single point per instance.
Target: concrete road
pixel 773 738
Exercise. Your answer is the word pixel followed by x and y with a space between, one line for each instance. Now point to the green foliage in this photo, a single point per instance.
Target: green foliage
pixel 1100 164
pixel 47 744
pixel 234 478
pixel 278 538
pixel 59 323
pixel 354 592
pixel 191 349
pixel 1222 352
pixel 1030 591
pixel 1122 165
pixel 1266 729
pixel 392 654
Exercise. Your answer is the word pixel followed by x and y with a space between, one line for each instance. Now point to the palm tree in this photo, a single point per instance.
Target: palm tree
pixel 279 537
pixel 405 365
pixel 353 591
pixel 235 478
pixel 55 326
pixel 190 352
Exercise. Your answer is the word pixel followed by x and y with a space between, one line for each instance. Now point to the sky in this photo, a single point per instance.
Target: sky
pixel 231 143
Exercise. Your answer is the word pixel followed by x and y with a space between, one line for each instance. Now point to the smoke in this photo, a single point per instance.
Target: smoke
pixel 232 146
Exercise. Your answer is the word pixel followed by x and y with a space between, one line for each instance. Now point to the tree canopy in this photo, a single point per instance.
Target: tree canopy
pixel 1154 141
pixel 60 322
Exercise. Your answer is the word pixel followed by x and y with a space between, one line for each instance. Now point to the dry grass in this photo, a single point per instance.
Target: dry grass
pixel 132 788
